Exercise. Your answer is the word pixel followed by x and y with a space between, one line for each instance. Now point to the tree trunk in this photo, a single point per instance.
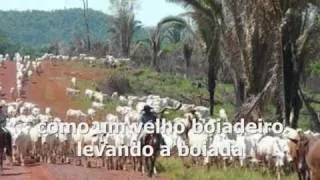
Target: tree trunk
pixel 240 92
pixel 187 59
pixel 85 14
pixel 212 57
pixel 154 62
pixel 315 121
pixel 211 86
pixel 288 75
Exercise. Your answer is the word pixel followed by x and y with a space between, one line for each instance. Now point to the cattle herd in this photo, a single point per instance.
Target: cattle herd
pixel 293 150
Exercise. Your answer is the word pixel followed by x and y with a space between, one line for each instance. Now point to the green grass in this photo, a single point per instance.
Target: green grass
pixel 146 81
pixel 111 105
pixel 81 101
pixel 173 114
pixel 164 84
pixel 84 103
pixel 174 169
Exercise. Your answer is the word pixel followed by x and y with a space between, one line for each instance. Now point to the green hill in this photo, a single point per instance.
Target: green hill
pixel 34 28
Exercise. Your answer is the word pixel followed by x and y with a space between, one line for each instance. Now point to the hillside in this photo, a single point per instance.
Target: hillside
pixel 39 28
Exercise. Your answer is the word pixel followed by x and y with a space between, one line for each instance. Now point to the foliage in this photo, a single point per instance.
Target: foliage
pixel 315 68
pixel 124 25
pixel 167 31
pixel 208 15
pixel 6 46
pixel 40 28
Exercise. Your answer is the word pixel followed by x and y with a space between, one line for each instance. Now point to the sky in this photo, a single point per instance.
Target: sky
pixel 150 12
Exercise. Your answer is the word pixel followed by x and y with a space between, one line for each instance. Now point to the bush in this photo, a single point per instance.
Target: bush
pixel 117 82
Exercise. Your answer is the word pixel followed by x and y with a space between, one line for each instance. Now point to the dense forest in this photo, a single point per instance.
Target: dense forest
pixel 39 29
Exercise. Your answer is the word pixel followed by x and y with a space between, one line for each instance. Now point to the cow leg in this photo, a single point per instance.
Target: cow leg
pixel 144 164
pixel 105 162
pixel 110 163
pixel 153 159
pixel 278 173
pixel 22 159
pixel 133 161
pixel 41 158
pixel 9 160
pixel 49 160
pixel 124 161
pixel 1 162
pixel 85 162
pixel 224 164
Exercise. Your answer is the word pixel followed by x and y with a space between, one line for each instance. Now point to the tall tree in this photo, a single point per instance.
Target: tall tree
pixel 169 27
pixel 299 25
pixel 124 23
pixel 270 33
pixel 182 33
pixel 208 16
pixel 86 20
pixel 256 29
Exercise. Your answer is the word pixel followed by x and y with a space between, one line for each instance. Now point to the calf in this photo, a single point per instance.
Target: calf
pixel 70 91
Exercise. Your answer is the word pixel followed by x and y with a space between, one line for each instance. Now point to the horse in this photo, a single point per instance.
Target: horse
pixel 5 144
pixel 155 141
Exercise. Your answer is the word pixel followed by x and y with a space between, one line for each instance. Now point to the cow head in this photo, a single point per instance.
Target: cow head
pixel 301 150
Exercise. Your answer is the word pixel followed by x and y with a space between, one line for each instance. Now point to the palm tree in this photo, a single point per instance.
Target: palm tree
pixel 169 27
pixel 297 29
pixel 208 15
pixel 124 25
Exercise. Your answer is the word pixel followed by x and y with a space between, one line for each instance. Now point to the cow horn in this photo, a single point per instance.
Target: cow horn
pixel 168 108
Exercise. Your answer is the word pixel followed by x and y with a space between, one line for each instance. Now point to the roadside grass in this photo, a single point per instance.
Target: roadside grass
pixel 173 169
pixel 84 103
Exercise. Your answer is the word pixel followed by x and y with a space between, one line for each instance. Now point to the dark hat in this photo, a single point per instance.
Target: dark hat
pixel 147 108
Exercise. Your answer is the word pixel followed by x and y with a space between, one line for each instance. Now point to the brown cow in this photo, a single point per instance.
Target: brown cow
pixel 307 158
pixel 313 158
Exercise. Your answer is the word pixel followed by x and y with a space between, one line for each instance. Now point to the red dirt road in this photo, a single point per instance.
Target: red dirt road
pixel 7 79
pixel 48 89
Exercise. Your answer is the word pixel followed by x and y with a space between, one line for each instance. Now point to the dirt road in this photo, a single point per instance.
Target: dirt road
pixel 48 90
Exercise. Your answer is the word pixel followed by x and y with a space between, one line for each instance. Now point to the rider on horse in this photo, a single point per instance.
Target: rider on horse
pixel 5 134
pixel 3 117
pixel 147 116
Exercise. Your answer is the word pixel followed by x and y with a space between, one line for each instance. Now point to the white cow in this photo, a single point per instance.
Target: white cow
pixel 71 91
pixel 97 105
pixel 78 114
pixel 89 93
pixel 74 82
pixel 22 144
pixel 91 113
